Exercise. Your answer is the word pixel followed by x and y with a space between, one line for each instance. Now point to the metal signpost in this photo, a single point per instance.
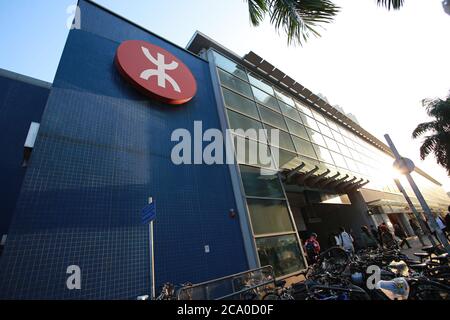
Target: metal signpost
pixel 148 216
pixel 406 166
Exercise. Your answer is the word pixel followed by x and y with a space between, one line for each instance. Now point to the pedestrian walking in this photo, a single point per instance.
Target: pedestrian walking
pixel 367 239
pixel 345 241
pixel 416 229
pixel 400 233
pixel 375 233
pixel 312 248
pixel 387 238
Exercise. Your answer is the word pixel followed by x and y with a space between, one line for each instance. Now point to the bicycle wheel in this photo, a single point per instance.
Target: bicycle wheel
pixel 429 291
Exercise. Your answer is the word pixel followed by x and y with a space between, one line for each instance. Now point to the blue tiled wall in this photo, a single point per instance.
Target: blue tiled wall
pixel 20 104
pixel 102 150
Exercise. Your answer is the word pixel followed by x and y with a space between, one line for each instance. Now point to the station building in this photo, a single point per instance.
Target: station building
pixel 100 148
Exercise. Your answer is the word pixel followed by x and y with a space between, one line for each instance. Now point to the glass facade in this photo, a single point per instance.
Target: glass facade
pixel 305 135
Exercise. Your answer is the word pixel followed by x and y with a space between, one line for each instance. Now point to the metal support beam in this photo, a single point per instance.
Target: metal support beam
pixel 345 183
pixel 306 175
pixel 294 171
pixel 328 180
pixel 315 179
pixel 356 186
pixel 332 184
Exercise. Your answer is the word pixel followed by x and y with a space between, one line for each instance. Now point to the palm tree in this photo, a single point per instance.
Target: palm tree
pixel 438 140
pixel 300 19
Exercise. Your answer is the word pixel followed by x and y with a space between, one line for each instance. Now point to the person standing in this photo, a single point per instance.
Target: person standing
pixel 387 239
pixel 400 233
pixel 312 248
pixel 367 239
pixel 375 233
pixel 417 231
pixel 345 241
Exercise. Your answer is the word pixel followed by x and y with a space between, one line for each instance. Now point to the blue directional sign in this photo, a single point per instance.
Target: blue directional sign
pixel 148 213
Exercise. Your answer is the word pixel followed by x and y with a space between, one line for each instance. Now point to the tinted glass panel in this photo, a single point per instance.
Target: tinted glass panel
pixel 319 117
pixel 285 159
pixel 265 99
pixel 325 130
pixel 331 144
pixel 323 154
pixel 304 147
pixel 239 103
pixel 269 216
pixel 235 83
pixel 316 137
pixel 339 160
pixel 338 137
pixel 230 66
pixel 252 153
pixel 258 185
pixel 273 118
pixel 310 122
pixel 285 98
pixel 261 84
pixel 284 138
pixel 290 111
pixel 282 253
pixel 297 129
pixel 238 121
pixel 303 108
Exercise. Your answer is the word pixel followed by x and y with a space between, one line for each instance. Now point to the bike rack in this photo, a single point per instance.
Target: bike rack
pixel 232 287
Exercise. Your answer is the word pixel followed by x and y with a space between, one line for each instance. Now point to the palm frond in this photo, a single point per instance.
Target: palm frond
pixel 424 127
pixel 257 10
pixel 428 145
pixel 300 19
pixel 394 4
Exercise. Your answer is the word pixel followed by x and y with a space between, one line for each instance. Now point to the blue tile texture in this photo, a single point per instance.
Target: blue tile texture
pixel 20 104
pixel 102 150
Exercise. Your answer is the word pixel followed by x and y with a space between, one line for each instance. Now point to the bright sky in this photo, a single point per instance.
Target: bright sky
pixel 376 64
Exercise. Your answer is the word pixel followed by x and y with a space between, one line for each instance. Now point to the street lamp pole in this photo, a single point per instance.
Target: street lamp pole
pixel 407 167
pixel 416 214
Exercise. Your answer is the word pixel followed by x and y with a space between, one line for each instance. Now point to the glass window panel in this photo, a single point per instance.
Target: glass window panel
pixel 339 160
pixel 273 118
pixel 230 66
pixel 345 150
pixel 323 154
pixel 303 108
pixel 289 111
pixel 239 121
pixel 285 98
pixel 316 137
pixel 318 116
pixel 352 165
pixel 355 154
pixel 331 144
pixel 285 159
pixel 239 103
pixel 304 147
pixel 258 185
pixel 282 253
pixel 235 83
pixel 310 122
pixel 338 137
pixel 261 84
pixel 332 125
pixel 252 152
pixel 349 143
pixel 284 139
pixel 265 99
pixel 269 216
pixel 297 129
pixel 324 129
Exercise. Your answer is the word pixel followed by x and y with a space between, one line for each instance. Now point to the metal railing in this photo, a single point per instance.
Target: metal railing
pixel 247 285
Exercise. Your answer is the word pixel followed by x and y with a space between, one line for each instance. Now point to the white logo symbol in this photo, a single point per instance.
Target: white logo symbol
pixel 160 72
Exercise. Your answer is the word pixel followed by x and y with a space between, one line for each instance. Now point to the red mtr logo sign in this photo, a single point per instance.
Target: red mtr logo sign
pixel 155 72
